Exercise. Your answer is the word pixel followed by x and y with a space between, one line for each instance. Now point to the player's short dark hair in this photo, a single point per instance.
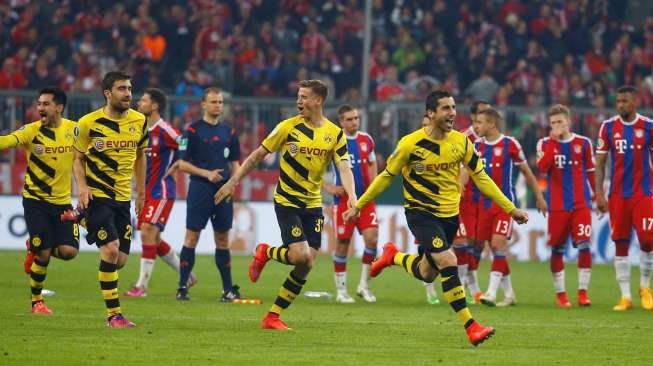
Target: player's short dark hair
pixel 345 108
pixel 159 97
pixel 316 86
pixel 494 115
pixel 477 103
pixel 58 95
pixel 627 89
pixel 209 90
pixel 111 77
pixel 433 98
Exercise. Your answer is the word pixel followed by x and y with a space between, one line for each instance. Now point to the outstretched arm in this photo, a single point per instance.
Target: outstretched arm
pixel 252 161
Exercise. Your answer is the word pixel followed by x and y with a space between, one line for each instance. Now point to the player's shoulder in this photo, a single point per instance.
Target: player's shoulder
pixel 365 136
pixel 332 127
pixel 133 114
pixel 167 127
pixel 511 140
pixel 582 138
pixel 91 116
pixel 648 121
pixel 542 141
pixel 610 120
pixel 413 137
pixel 292 121
pixel 31 128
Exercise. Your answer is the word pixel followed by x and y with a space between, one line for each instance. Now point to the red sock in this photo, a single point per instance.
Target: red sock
pixel 368 255
pixel 473 263
pixel 461 255
pixel 622 247
pixel 585 259
pixel 163 248
pixel 339 263
pixel 149 251
pixel 557 263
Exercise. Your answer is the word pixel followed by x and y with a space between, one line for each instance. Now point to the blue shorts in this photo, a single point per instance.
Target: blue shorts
pixel 200 207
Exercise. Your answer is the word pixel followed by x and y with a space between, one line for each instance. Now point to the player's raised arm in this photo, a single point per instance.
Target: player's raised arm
pixel 14 139
pixel 252 161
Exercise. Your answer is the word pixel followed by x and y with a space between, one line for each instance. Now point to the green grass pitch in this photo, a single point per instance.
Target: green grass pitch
pixel 400 329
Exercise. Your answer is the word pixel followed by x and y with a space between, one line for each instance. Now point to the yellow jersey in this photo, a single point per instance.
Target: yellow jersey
pixel 305 153
pixel 430 170
pixel 110 147
pixel 49 159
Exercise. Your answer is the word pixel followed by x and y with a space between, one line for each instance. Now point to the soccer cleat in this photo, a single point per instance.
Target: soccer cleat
pixel 488 300
pixel 385 260
pixel 40 308
pixel 366 294
pixel 507 301
pixel 258 262
pixel 73 214
pixel 47 293
pixel 29 258
pixel 135 291
pixel 182 294
pixel 432 298
pixel 273 322
pixel 477 297
pixel 623 305
pixel 192 280
pixel 646 298
pixel 231 295
pixel 562 301
pixel 477 333
pixel 583 300
pixel 119 321
pixel 344 298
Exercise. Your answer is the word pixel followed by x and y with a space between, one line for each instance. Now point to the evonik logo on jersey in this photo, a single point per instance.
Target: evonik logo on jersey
pixel 40 149
pixel 100 144
pixel 313 151
pixel 421 168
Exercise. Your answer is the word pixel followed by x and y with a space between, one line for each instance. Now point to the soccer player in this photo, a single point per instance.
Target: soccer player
pixel 568 162
pixel 211 153
pixel 307 143
pixel 363 165
pixel 109 148
pixel 627 137
pixel 468 250
pixel 160 190
pixel 429 161
pixel 46 193
pixel 500 154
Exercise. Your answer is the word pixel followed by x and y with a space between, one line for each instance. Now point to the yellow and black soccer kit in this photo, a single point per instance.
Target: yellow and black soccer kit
pixel 110 147
pixel 430 170
pixel 305 153
pixel 46 193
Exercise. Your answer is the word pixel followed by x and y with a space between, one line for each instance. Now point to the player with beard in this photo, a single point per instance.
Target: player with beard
pixel 46 193
pixel 110 149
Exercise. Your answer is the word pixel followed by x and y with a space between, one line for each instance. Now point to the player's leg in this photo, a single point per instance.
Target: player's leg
pixel 440 256
pixel 149 234
pixel 621 225
pixel 344 232
pixel 559 224
pixel 460 248
pixel 474 252
pixel 643 220
pixel 307 234
pixel 581 235
pixel 222 220
pixel 370 239
pixel 369 228
pixel 500 271
pixel 199 206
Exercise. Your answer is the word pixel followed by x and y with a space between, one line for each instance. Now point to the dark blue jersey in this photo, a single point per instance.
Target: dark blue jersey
pixel 210 147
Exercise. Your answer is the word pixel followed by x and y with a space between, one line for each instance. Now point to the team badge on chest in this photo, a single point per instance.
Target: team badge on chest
pixel 639 133
pixel 578 149
pixel 498 151
pixel 363 147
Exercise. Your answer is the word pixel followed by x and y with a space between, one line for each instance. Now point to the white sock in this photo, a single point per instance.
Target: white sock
pixel 365 276
pixel 462 273
pixel 341 281
pixel 472 282
pixel 495 281
pixel 584 275
pixel 622 269
pixel 506 282
pixel 559 281
pixel 171 259
pixel 147 265
pixel 430 290
pixel 645 267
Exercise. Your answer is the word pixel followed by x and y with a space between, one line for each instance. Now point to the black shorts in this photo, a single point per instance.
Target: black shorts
pixel 46 230
pixel 108 220
pixel 434 234
pixel 300 224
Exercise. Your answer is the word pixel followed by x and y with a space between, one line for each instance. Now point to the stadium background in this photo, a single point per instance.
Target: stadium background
pixel 521 56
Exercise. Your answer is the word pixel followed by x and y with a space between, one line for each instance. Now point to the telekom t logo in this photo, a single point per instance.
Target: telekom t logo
pixel 560 160
pixel 620 145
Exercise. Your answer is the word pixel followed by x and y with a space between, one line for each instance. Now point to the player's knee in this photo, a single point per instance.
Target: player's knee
pixel 583 245
pixel 191 239
pixel 67 253
pixel 43 256
pixel 558 250
pixel 445 259
pixel 222 240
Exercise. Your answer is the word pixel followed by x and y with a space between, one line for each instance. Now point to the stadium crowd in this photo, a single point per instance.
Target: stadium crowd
pixel 508 52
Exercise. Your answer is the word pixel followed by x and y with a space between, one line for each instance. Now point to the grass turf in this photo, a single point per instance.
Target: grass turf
pixel 401 328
